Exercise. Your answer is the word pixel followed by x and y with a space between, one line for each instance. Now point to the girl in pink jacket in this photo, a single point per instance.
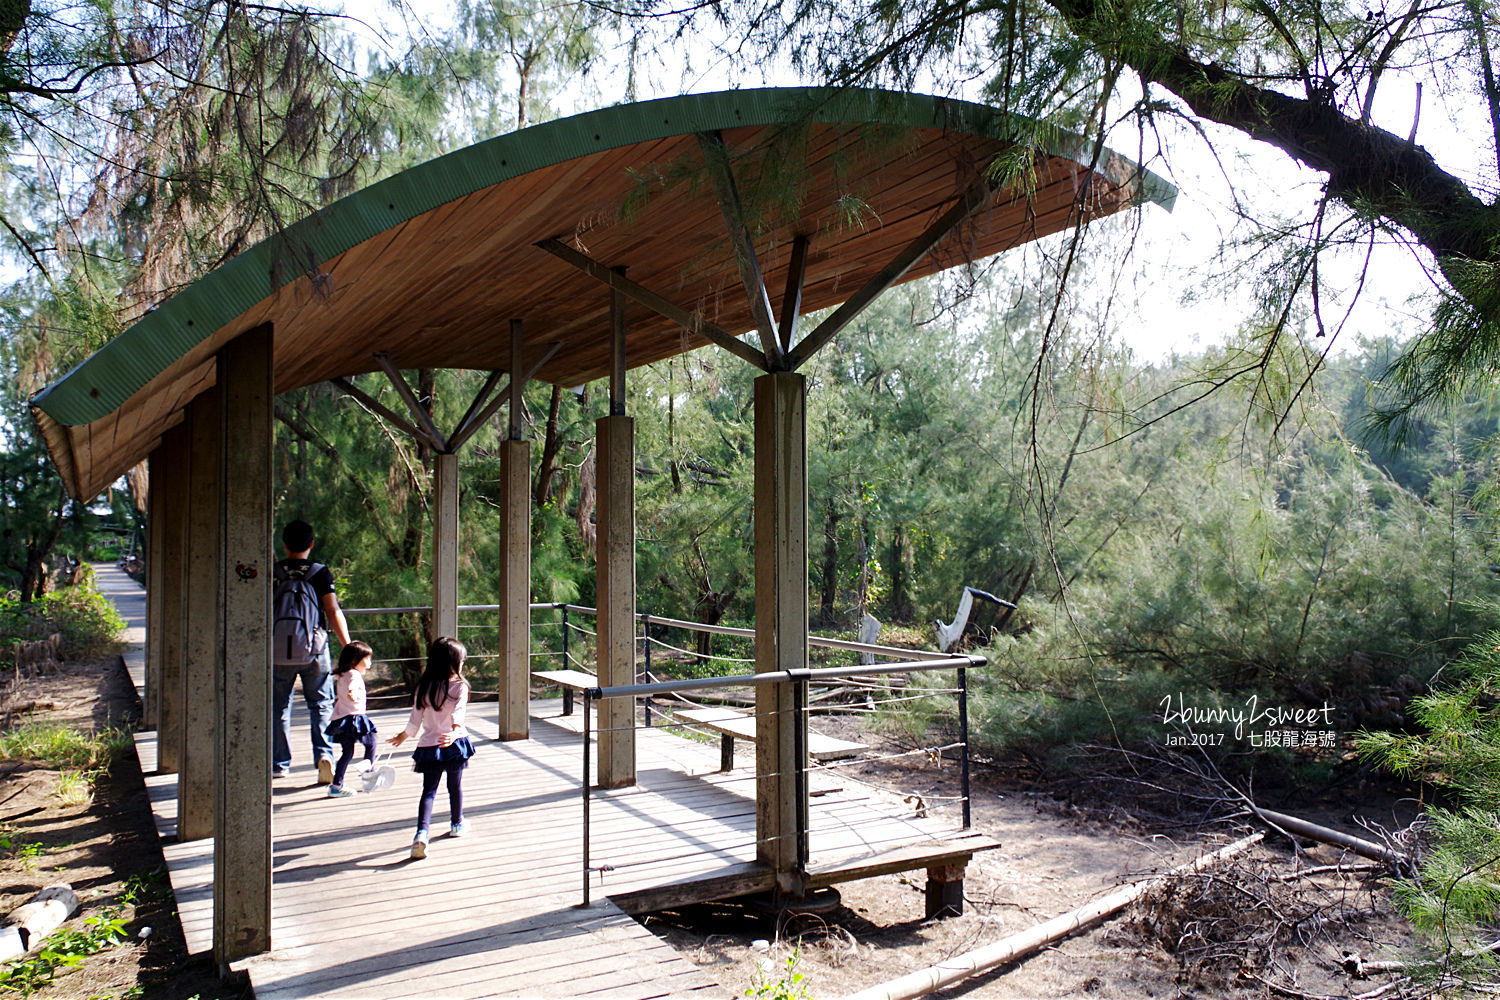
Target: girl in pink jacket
pixel 444 748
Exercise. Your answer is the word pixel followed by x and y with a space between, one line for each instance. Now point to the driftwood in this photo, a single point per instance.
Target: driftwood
pixel 1006 950
pixel 1302 828
pixel 43 655
pixel 30 923
pixel 1357 967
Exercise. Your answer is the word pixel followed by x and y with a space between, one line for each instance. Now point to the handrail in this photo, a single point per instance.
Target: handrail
pixel 959 660
pixel 815 641
pixel 428 607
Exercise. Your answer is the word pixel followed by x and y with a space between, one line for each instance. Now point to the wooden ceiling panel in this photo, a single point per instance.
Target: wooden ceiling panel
pixel 431 266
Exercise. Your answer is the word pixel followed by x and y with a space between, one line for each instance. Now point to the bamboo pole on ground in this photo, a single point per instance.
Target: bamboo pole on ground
pixel 971 963
pixel 1293 825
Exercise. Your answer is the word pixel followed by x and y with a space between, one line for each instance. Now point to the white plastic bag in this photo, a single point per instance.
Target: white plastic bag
pixel 379 777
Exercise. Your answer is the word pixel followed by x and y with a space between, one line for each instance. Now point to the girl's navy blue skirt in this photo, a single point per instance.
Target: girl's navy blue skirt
pixel 350 727
pixel 441 758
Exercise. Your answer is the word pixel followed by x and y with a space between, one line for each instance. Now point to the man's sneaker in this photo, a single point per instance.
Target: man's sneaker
pixel 325 770
pixel 339 792
pixel 458 829
pixel 419 846
pixel 281 772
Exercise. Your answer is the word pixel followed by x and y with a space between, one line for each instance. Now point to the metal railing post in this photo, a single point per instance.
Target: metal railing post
pixel 565 631
pixel 799 702
pixel 588 714
pixel 963 737
pixel 646 630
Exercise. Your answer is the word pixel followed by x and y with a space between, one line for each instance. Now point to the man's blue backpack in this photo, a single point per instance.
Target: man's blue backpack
pixel 297 633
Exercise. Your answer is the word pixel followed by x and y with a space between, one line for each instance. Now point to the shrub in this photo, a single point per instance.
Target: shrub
pixel 86 620
pixel 1454 894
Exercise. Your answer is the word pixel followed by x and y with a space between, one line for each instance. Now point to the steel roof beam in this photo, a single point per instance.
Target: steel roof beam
pixel 692 322
pixel 402 424
pixel 716 157
pixel 424 419
pixel 918 248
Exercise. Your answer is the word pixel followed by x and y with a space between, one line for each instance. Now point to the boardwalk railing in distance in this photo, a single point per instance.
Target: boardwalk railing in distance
pixel 398 636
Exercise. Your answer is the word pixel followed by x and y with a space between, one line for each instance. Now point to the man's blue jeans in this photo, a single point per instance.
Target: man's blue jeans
pixel 317 690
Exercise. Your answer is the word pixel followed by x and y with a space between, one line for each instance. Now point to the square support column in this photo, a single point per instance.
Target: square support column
pixel 444 545
pixel 242 687
pixel 616 586
pixel 515 590
pixel 780 622
pixel 172 457
pixel 156 532
pixel 204 641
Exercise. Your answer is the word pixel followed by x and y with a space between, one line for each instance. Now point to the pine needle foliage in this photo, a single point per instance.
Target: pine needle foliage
pixel 1455 892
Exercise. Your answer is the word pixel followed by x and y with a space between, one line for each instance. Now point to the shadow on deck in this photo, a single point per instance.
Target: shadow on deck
pixel 497 913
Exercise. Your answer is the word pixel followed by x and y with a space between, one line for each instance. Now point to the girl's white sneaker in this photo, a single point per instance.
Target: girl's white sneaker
pixel 419 846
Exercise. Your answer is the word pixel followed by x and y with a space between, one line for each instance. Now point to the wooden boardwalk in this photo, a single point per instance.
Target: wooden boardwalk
pixel 497 913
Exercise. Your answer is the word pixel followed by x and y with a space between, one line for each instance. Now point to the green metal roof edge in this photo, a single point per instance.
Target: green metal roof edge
pixel 105 380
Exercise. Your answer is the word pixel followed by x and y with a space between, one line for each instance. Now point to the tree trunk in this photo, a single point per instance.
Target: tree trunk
pixel 900 604
pixel 550 447
pixel 587 497
pixel 828 588
pixel 1371 170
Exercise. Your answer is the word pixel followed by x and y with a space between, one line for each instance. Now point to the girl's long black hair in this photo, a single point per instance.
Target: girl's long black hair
pixel 445 660
pixel 352 654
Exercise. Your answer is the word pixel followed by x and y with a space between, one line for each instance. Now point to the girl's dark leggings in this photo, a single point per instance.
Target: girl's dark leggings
pixel 455 772
pixel 339 769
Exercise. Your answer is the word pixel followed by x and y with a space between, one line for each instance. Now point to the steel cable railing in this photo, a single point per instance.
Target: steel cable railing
pixel 874 684
pixel 801 680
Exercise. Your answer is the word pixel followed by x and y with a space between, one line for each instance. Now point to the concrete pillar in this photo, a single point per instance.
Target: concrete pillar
pixel 780 620
pixel 515 558
pixel 444 545
pixel 515 590
pixel 174 453
pixel 204 642
pixel 616 594
pixel 242 688
pixel 156 532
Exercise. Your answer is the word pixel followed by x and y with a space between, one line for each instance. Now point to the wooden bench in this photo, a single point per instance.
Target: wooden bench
pixel 569 681
pixel 730 724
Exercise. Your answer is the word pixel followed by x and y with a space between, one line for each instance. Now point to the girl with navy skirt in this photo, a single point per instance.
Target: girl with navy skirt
pixel 350 724
pixel 444 748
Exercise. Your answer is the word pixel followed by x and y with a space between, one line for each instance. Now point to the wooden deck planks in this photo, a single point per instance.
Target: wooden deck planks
pixel 495 914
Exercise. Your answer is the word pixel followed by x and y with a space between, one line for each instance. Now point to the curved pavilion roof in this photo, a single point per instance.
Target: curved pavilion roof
pixel 430 266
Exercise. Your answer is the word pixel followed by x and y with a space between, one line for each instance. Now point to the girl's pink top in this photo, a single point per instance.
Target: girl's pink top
pixel 432 722
pixel 348 694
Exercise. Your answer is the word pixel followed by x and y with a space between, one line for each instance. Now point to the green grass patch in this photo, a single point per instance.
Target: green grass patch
pixel 24 851
pixel 61 746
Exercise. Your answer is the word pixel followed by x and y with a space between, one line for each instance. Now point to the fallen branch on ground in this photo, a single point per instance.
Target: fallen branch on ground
pixel 1294 825
pixel 1006 950
pixel 1357 967
pixel 1341 868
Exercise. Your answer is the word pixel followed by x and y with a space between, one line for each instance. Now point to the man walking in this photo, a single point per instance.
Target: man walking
pixel 306 607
